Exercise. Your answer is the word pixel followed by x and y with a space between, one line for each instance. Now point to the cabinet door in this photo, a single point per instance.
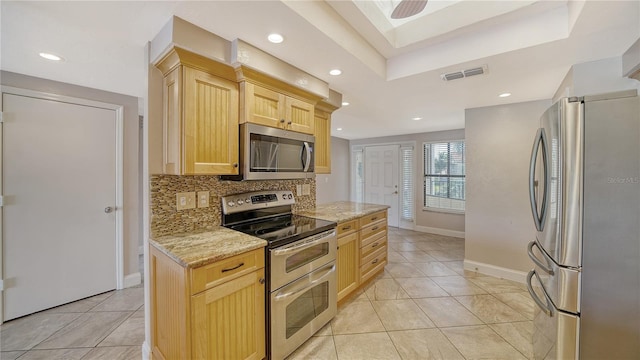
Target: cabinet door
pixel 347 264
pixel 322 125
pixel 210 124
pixel 172 121
pixel 299 116
pixel 263 106
pixel 228 320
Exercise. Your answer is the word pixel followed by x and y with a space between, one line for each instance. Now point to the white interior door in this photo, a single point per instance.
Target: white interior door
pixel 381 178
pixel 59 176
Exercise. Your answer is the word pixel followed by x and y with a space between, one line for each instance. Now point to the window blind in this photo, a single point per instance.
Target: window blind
pixel 406 154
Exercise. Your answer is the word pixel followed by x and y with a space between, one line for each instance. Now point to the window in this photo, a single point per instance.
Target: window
pixel 444 175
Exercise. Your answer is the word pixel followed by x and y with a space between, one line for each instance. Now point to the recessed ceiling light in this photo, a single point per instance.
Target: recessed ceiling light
pixel 50 56
pixel 416 118
pixel 275 38
pixel 335 72
pixel 504 95
pixel 339 129
pixel 345 103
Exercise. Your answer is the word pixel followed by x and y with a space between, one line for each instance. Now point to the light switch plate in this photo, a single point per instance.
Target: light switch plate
pixel 186 200
pixel 306 189
pixel 298 190
pixel 203 199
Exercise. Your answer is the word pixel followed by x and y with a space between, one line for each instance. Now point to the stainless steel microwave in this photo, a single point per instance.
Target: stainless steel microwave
pixel 268 153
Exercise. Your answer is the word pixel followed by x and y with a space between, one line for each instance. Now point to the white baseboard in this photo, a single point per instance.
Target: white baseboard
pixel 146 351
pixel 132 280
pixel 497 271
pixel 438 231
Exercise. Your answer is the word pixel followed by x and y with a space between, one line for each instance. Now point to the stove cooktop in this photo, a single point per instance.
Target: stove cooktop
pixel 283 229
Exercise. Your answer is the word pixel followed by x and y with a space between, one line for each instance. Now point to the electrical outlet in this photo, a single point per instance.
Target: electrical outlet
pixel 203 199
pixel 186 200
pixel 306 189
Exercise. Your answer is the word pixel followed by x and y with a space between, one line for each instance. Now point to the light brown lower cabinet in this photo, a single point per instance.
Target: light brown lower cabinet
pixel 211 312
pixel 362 251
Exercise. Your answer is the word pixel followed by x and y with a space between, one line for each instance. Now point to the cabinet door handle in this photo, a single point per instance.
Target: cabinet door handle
pixel 235 165
pixel 261 280
pixel 233 268
pixel 345 228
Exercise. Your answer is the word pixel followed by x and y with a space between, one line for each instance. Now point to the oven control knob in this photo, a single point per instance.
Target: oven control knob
pixel 240 202
pixel 290 196
pixel 247 200
pixel 231 203
pixel 284 196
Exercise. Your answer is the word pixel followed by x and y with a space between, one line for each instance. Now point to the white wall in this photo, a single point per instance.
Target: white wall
pixel 498 219
pixel 428 221
pixel 335 186
pixel 132 221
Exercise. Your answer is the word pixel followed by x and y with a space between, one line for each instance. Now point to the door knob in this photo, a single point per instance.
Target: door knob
pixel 108 209
pixel 395 192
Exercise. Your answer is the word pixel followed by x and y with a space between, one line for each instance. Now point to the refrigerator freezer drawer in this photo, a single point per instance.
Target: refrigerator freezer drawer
pixel 555 333
pixel 561 284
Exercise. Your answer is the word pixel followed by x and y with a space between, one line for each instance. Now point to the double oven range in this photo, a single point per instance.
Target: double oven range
pixel 300 265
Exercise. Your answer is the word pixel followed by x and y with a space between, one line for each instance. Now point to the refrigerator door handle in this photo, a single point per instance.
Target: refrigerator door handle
pixel 538 218
pixel 535 259
pixel 544 306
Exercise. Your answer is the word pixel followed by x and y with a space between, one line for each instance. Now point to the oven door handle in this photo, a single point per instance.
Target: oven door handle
pixel 321 276
pixel 312 242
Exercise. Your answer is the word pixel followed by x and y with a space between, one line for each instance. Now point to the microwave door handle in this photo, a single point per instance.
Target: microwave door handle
pixel 273 155
pixel 307 152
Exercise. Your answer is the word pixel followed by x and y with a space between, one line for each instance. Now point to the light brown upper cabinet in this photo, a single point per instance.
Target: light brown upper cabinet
pixel 272 108
pixel 200 115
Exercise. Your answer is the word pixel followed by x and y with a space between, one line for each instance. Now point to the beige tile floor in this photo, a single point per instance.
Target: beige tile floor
pixel 108 326
pixel 424 306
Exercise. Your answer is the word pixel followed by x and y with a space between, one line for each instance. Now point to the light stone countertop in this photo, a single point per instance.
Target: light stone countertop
pixel 192 250
pixel 342 211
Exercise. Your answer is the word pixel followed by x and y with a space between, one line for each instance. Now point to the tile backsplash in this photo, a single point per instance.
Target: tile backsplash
pixel 166 220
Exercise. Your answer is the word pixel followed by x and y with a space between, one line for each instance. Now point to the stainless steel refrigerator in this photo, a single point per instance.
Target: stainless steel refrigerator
pixel 585 198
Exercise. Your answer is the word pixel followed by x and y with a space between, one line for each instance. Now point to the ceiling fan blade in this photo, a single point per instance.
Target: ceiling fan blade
pixel 408 8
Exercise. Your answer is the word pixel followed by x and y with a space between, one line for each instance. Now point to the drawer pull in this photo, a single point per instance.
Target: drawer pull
pixel 374 228
pixel 374 245
pixel 233 268
pixel 374 261
pixel 374 218
pixel 345 228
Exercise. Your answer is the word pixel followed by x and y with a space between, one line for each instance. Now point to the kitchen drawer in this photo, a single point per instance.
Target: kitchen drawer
pixel 372 244
pixel 372 263
pixel 211 275
pixel 366 220
pixel 347 227
pixel 373 229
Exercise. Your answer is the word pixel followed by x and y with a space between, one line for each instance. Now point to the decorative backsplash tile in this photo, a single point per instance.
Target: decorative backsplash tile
pixel 166 220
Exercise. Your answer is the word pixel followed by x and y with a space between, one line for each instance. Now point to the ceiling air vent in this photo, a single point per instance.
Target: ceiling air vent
pixel 465 73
